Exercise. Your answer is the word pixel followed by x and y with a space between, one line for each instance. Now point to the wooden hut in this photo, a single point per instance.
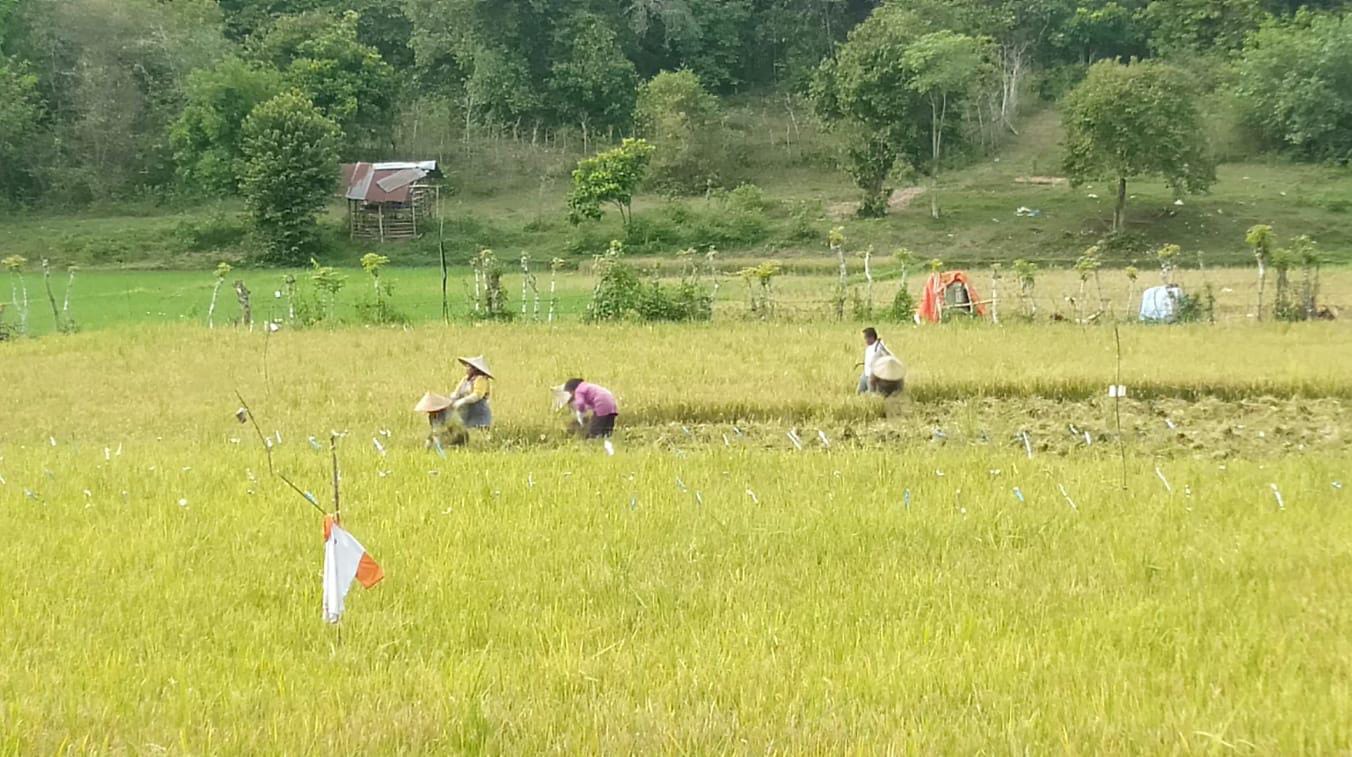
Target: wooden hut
pixel 389 201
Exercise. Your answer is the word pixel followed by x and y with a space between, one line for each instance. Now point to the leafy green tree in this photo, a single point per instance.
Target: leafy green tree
pixel 20 115
pixel 944 69
pixel 592 82
pixel 866 90
pixel 1128 121
pixel 899 91
pixel 110 76
pixel 320 55
pixel 1182 26
pixel 1294 83
pixel 682 120
pixel 609 177
pixel 290 169
pixel 208 134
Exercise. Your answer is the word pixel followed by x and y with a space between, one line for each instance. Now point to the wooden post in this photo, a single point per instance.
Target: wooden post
pixel 380 210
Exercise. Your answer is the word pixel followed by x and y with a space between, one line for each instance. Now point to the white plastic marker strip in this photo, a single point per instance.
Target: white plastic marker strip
pixel 52 439
pixel 686 429
pixel 726 443
pixel 699 499
pixel 311 497
pixel 906 499
pixel 278 434
pixel 1117 390
pixel 1337 485
pixel 182 501
pixel 107 454
pixel 441 451
pixel 680 484
pixel 2 481
pixel 1018 494
pixel 1281 503
pixel 379 447
pixel 1164 480
pixel 530 480
pixel 633 502
pixel 1066 494
pixel 1027 445
pixel 822 436
pixel 315 444
pixel 29 493
pixel 793 437
pixel 753 496
pixel 610 448
pixel 736 430
pixel 1170 423
pixel 1088 442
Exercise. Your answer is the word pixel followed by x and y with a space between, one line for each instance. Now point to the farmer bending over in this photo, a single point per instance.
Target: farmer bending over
pixel 596 401
pixel 883 373
pixel 470 400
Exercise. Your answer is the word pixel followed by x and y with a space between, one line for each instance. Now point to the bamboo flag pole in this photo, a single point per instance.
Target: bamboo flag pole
pixel 441 248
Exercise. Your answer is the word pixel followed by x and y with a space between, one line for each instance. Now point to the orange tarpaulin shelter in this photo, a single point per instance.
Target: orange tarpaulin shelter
pixel 950 290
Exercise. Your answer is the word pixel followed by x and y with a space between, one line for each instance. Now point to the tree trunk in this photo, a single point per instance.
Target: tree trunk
pixel 1120 209
pixel 1262 284
pixel 47 282
pixel 211 309
pixel 245 309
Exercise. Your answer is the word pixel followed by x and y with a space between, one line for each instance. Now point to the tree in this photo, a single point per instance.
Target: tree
pixel 20 114
pixel 681 118
pixel 290 169
pixel 320 55
pixel 207 136
pixel 900 91
pixel 610 177
pixel 1127 121
pixel 592 82
pixel 944 68
pixel 110 76
pixel 1182 26
pixel 867 88
pixel 1294 79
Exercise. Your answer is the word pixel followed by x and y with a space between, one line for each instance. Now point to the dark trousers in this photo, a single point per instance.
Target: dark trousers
pixel 601 426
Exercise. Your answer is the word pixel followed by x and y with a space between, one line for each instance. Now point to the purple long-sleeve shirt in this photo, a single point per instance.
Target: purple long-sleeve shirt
pixel 594 399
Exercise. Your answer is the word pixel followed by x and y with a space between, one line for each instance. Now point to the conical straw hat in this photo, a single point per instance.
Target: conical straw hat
pixel 431 403
pixel 560 397
pixel 888 368
pixel 478 363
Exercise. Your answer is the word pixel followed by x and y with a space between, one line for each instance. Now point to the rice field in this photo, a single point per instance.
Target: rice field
pixel 766 563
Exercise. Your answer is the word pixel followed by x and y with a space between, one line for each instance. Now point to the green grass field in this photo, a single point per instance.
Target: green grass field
pixel 707 588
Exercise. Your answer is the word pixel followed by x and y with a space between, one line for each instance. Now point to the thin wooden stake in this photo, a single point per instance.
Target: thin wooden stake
pixel 1117 406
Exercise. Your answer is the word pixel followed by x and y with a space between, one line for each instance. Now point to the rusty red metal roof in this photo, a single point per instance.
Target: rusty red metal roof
pixel 385 182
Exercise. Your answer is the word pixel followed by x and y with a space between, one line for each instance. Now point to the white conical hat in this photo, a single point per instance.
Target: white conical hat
pixel 431 403
pixel 561 397
pixel 889 368
pixel 478 363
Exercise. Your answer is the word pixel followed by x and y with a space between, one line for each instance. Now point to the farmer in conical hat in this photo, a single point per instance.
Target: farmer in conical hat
pixel 874 349
pixel 594 401
pixel 470 400
pixel 889 375
pixel 438 409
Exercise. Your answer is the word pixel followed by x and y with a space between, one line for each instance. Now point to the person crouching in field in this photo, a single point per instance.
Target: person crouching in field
pixel 883 373
pixel 596 402
pixel 449 417
pixel 470 400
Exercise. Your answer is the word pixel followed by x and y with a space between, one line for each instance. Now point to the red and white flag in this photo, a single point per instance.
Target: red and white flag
pixel 345 559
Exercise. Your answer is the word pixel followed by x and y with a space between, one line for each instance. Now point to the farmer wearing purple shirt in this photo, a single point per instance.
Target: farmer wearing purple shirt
pixel 596 400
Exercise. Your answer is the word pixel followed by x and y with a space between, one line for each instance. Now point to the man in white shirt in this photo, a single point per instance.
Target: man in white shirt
pixel 873 349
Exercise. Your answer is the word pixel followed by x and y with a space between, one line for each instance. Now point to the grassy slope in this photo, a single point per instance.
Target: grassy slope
pixel 510 197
